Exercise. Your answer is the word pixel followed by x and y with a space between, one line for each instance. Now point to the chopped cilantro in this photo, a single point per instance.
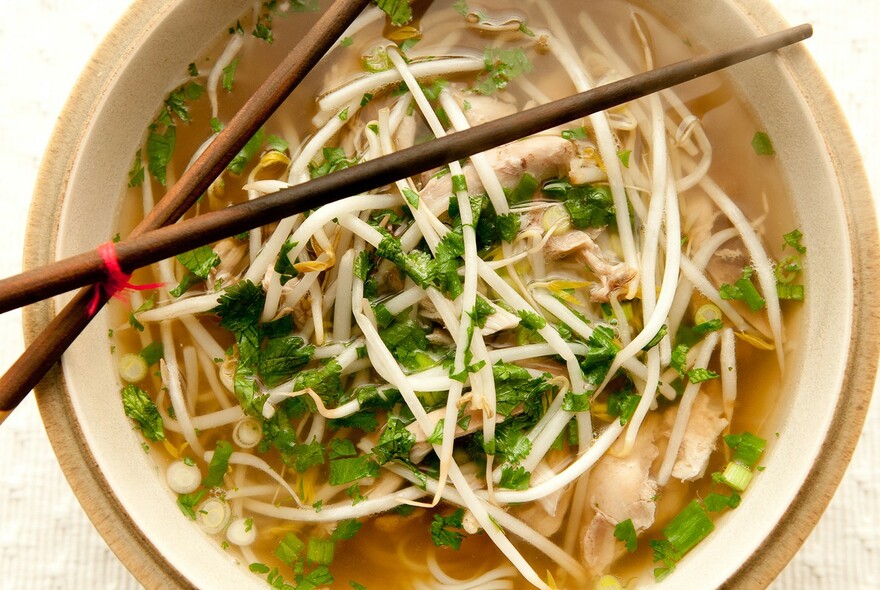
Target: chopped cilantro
pixel 139 407
pixel 346 529
pixel 508 226
pixel 514 478
pixel 501 66
pixel 283 266
pixel 395 442
pixel 282 358
pixel 625 531
pixel 333 159
pixel 146 305
pixel 699 375
pixel 188 502
pixel 442 534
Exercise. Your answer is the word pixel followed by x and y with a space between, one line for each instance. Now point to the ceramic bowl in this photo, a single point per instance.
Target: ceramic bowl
pixel 823 399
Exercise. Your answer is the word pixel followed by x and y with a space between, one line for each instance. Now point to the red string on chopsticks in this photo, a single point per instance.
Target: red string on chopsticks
pixel 117 282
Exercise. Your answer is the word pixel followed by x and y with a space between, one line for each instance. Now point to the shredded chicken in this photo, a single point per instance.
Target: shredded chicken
pixel 613 275
pixel 632 496
pixel 705 425
pixel 542 156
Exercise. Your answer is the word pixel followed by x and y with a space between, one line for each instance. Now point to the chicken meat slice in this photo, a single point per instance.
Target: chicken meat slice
pixel 542 156
pixel 620 488
pixel 705 425
pixel 613 274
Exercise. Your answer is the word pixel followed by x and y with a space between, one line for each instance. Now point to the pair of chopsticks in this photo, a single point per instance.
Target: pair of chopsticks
pixel 157 236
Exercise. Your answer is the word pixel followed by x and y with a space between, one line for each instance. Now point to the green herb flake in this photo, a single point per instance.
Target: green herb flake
pixel 530 320
pixel 623 156
pixel 793 239
pixel 188 502
pixel 346 42
pixel 762 145
pixel 699 375
pixel 229 75
pixel 577 133
pixel 146 305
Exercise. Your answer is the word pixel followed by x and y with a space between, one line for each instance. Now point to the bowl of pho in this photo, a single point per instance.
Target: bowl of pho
pixel 632 350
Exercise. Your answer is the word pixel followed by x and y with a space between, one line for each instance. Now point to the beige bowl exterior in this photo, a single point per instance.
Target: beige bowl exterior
pixel 830 372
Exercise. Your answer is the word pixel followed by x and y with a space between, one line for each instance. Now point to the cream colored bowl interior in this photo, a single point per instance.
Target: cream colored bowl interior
pixel 105 123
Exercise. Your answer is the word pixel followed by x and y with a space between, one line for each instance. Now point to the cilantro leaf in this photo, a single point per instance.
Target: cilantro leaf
pixel 188 502
pixel 625 531
pixel 514 478
pixel 282 358
pixel 395 442
pixel 160 147
pixel 398 11
pixel 240 306
pixel 139 407
pixel 442 534
pixel 349 469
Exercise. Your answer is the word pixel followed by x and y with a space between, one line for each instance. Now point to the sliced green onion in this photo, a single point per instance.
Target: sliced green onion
pixel 321 551
pixel 132 367
pixel 707 313
pixel 688 528
pixel 183 478
pixel 241 532
pixel 747 447
pixel 213 515
pixel 736 476
pixel 247 433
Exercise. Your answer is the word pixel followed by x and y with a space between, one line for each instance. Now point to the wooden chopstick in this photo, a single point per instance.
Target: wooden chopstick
pixel 159 244
pixel 45 350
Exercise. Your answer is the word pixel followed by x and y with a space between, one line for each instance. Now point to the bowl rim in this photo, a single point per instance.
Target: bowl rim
pixel 140 555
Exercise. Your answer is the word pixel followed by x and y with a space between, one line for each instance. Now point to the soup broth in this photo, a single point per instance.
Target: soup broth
pixel 298 401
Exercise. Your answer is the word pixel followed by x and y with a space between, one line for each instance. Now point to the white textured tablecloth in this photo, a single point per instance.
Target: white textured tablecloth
pixel 46 541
